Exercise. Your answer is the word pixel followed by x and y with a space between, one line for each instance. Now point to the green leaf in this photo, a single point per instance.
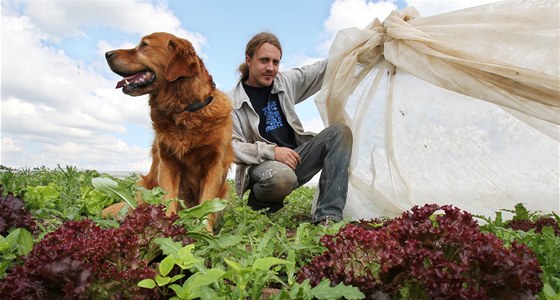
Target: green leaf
pixel 521 213
pixel 21 240
pixel 161 281
pixel 325 291
pixel 200 279
pixel 185 253
pixel 549 292
pixel 234 265
pixel 168 246
pixel 184 258
pixel 94 200
pixel 204 209
pixel 229 241
pixel 111 187
pixel 204 236
pixel 180 291
pixel 42 196
pixel 300 290
pixel 4 244
pixel 147 283
pixel 176 277
pixel 264 264
pixel 166 265
pixel 548 231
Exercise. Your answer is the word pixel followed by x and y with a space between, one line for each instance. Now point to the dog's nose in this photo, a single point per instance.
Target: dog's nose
pixel 109 54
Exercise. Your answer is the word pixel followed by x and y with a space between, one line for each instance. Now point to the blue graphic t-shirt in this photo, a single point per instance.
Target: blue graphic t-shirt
pixel 273 125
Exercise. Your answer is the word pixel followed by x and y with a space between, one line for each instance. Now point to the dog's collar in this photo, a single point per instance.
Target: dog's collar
pixel 200 104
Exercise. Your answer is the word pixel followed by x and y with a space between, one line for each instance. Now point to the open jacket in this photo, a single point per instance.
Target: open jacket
pixel 292 86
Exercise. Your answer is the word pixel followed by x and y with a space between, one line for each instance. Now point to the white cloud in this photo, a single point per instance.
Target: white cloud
pixel 57 109
pixel 352 13
pixel 10 146
pixel 59 18
pixel 297 61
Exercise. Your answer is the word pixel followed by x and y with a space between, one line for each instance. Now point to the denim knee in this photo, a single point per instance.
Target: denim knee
pixel 339 138
pixel 275 184
pixel 343 133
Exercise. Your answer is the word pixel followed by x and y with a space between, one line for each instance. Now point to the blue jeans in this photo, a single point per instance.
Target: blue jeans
pixel 329 151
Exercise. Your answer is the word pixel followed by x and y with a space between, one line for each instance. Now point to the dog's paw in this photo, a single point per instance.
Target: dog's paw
pixel 113 210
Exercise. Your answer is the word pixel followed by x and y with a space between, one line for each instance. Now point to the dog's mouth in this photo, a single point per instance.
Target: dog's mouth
pixel 136 81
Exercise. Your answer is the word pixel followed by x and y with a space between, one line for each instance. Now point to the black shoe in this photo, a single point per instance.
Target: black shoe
pixel 268 207
pixel 326 221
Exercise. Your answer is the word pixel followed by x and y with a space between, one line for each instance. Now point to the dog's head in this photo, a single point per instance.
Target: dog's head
pixel 158 60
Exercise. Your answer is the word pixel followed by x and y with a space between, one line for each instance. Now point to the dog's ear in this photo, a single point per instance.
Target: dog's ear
pixel 182 61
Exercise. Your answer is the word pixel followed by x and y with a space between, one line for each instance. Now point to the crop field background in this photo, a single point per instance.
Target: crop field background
pixel 54 244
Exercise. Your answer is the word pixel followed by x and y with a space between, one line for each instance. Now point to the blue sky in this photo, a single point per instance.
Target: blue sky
pixel 59 105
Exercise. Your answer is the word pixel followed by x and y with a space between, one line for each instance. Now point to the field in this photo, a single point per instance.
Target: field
pixel 54 244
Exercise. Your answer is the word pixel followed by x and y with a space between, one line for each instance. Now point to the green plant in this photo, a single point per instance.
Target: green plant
pixel 270 248
pixel 112 188
pixel 324 290
pixel 17 243
pixel 196 286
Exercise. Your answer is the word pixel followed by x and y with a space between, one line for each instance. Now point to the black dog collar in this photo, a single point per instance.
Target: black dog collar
pixel 198 105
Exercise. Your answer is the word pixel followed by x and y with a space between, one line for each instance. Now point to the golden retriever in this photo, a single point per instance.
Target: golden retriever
pixel 192 151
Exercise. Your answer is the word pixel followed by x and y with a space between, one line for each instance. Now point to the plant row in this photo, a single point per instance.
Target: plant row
pixel 54 244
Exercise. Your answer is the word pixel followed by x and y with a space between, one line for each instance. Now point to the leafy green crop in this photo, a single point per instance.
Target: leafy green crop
pixel 250 255
pixel 17 243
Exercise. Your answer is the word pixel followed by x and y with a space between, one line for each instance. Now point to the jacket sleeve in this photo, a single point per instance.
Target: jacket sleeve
pixel 306 81
pixel 246 150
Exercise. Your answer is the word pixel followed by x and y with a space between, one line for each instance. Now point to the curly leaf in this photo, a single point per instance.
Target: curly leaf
pixel 325 291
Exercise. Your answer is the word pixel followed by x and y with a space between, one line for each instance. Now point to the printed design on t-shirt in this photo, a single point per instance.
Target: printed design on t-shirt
pixel 273 117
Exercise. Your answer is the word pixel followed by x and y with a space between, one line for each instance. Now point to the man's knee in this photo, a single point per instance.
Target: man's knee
pixel 341 136
pixel 284 180
pixel 275 184
pixel 343 132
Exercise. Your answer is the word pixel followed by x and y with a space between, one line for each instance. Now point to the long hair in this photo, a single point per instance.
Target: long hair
pixel 253 46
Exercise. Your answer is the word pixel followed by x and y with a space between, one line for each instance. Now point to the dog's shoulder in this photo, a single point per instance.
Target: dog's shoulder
pixel 220 107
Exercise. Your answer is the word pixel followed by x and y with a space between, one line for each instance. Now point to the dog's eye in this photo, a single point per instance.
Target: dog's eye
pixel 143 44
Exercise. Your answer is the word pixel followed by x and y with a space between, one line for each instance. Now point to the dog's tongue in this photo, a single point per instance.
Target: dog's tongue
pixel 130 78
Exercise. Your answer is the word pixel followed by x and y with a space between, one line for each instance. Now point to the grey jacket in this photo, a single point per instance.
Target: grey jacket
pixel 292 86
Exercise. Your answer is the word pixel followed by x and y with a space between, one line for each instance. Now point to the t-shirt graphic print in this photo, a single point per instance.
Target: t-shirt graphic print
pixel 273 116
pixel 273 125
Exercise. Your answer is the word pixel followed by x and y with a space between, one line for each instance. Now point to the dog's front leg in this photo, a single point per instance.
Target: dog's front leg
pixel 169 180
pixel 213 187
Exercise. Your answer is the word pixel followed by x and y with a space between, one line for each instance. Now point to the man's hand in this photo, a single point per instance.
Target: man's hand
pixel 287 156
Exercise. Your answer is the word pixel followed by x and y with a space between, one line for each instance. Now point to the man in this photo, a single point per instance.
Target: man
pixel 273 154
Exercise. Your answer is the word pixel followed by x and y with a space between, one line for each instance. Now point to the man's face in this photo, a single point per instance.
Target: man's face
pixel 263 66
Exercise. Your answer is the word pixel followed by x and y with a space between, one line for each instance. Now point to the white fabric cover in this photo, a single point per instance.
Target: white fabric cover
pixel 461 108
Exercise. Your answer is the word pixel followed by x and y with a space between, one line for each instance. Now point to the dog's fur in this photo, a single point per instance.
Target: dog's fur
pixel 192 151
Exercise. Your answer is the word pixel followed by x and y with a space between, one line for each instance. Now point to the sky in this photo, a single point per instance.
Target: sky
pixel 59 106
